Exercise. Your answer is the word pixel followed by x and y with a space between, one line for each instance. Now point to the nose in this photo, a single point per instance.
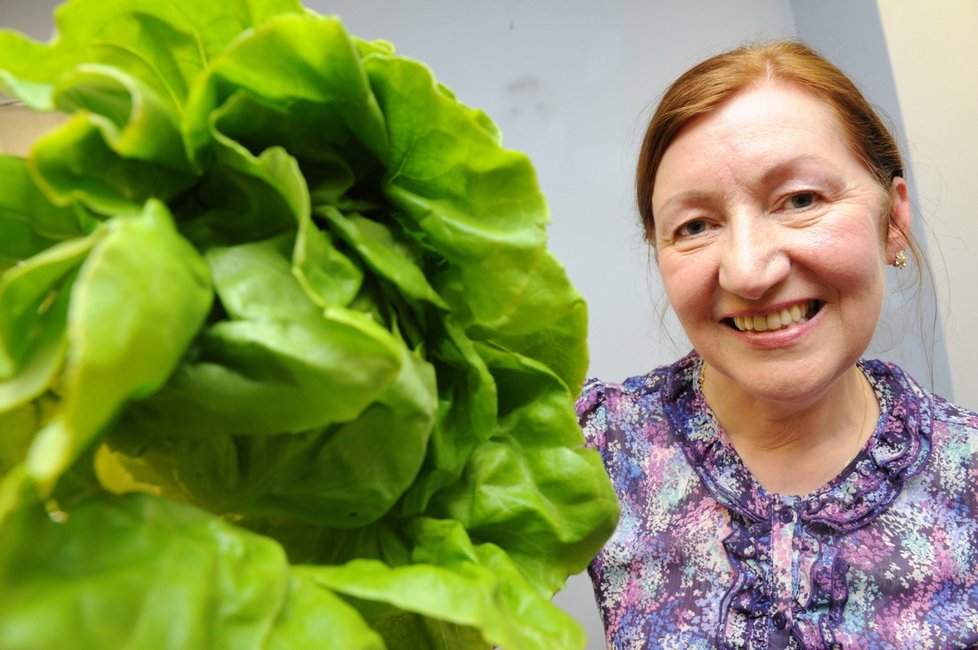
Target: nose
pixel 753 258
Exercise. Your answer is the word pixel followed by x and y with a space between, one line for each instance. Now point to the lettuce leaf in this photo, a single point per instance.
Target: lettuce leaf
pixel 142 572
pixel 284 358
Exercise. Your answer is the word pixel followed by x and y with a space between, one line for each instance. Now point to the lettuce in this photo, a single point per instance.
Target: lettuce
pixel 284 359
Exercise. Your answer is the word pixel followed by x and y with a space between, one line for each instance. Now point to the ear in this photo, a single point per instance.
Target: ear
pixel 899 221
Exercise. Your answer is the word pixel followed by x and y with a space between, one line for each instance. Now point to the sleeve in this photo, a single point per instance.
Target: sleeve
pixel 591 413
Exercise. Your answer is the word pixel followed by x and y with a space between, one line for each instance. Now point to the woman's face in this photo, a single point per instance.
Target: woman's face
pixel 770 244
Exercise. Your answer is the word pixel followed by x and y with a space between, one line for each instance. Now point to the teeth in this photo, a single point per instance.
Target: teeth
pixel 775 320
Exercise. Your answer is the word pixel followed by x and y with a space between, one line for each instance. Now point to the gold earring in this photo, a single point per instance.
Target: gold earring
pixel 900 260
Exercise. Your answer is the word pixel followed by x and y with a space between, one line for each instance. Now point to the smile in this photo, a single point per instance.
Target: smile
pixel 776 320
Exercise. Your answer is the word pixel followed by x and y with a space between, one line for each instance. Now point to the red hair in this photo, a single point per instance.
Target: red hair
pixel 706 86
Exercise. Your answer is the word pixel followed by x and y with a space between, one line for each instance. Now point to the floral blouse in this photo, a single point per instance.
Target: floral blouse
pixel 883 556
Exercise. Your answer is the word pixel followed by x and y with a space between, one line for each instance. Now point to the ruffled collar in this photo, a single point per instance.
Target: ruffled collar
pixel 897 450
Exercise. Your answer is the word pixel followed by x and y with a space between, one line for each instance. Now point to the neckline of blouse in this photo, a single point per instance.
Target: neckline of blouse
pixel 898 449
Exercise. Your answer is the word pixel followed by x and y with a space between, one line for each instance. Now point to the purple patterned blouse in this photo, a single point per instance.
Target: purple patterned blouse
pixel 883 556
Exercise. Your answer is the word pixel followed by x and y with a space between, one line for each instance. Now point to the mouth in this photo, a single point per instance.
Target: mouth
pixel 776 320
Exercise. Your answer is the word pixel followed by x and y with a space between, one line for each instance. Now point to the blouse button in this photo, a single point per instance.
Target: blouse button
pixel 780 620
pixel 787 515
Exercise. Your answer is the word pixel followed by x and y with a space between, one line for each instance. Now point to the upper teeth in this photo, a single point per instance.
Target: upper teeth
pixel 797 313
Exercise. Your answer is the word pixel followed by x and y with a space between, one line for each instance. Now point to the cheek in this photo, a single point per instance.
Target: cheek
pixel 862 287
pixel 686 285
pixel 851 267
pixel 848 238
pixel 854 259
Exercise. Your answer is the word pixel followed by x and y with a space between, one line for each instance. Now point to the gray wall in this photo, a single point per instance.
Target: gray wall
pixel 572 83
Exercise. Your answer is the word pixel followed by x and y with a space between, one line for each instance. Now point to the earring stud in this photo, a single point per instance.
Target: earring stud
pixel 900 260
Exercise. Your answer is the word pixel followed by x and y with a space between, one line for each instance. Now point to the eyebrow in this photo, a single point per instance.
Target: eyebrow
pixel 780 168
pixel 774 172
pixel 688 198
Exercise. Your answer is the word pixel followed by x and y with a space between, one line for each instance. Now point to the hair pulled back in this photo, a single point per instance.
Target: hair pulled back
pixel 706 86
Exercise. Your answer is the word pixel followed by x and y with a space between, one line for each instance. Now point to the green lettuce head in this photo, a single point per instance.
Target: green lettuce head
pixel 284 359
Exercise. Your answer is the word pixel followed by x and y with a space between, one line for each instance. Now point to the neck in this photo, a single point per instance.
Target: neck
pixel 795 448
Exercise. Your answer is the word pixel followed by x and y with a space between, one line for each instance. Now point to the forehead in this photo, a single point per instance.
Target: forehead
pixel 755 130
pixel 774 104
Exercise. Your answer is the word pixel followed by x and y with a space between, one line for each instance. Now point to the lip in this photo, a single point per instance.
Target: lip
pixel 769 339
pixel 786 304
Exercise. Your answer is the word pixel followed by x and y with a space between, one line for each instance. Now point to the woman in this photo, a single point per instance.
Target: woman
pixel 777 491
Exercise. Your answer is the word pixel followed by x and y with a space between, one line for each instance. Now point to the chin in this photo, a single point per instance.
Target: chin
pixel 787 381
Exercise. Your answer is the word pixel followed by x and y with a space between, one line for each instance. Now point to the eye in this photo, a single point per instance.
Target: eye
pixel 692 228
pixel 801 200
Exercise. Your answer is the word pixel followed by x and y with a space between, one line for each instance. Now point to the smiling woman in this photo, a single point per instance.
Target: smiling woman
pixel 777 490
pixel 757 253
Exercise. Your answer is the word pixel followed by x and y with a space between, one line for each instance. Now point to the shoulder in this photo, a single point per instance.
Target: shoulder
pixel 951 428
pixel 941 411
pixel 606 406
pixel 619 410
pixel 954 432
pixel 953 415
pixel 605 398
